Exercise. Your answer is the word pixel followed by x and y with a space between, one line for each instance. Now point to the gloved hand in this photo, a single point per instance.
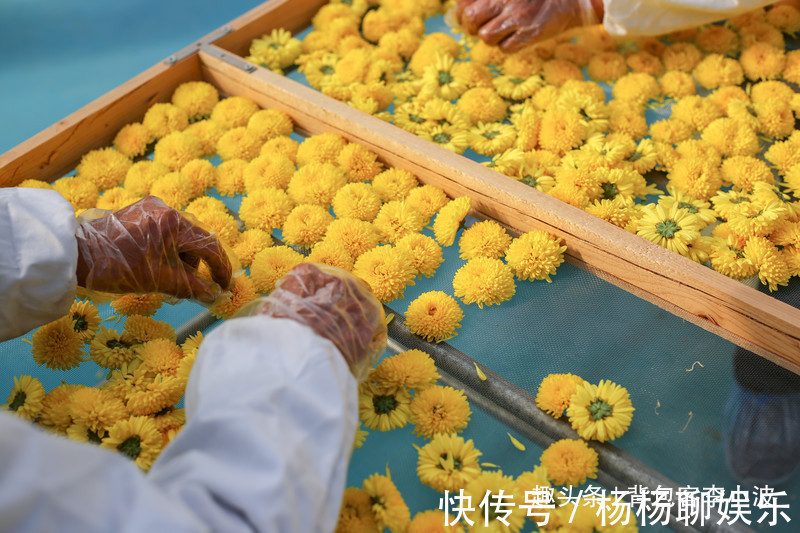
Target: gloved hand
pixel 149 247
pixel 514 24
pixel 337 306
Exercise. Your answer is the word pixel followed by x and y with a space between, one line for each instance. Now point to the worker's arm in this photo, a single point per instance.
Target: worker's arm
pixel 38 255
pixel 271 414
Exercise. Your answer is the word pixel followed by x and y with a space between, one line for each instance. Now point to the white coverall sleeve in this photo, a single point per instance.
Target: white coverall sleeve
pixel 657 17
pixel 271 416
pixel 38 258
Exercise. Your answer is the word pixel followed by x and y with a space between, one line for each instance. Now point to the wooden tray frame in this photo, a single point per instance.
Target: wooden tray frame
pixel 696 293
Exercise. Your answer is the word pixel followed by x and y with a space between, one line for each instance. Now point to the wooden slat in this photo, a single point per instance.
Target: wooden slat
pixel 713 301
pixel 292 15
pixel 55 151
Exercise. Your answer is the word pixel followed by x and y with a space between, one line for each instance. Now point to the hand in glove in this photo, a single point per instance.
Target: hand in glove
pixel 514 24
pixel 149 247
pixel 337 306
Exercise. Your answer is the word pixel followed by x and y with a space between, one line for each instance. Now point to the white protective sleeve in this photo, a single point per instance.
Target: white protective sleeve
pixel 271 416
pixel 657 17
pixel 38 257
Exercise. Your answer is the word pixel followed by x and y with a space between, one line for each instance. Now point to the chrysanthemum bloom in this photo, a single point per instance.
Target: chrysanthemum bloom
pixel 782 154
pixel 321 148
pixel 557 72
pixel 745 171
pixel 355 236
pixel 169 418
pixel 434 316
pixel 483 104
pixel 433 521
pixel 561 130
pixel 717 40
pixel 770 90
pixel 208 133
pixel 265 208
pixel 555 391
pixel 201 173
pixel 791 69
pixel 427 199
pixel 176 149
pixel 192 344
pixel 672 229
pixel 116 198
pixel 488 518
pixel 716 70
pixel 637 87
pixel 773 270
pixel 491 139
pixel 159 356
pixel 85 320
pixel 316 183
pixel 396 220
pixel 388 506
pixel 775 118
pixel 140 177
pixel 484 239
pixel 138 304
pixel 268 170
pixel 607 66
pixel 696 111
pixel 387 270
pixel 26 398
pixel 677 84
pixel 137 438
pixel 699 208
pixel 413 370
pixel 600 412
pixel 250 243
pixel 33 183
pixel 681 56
pixel 112 349
pixel 572 52
pixel 383 409
pixel 175 189
pixel 221 224
pixel 645 63
pixel 164 118
pixel 438 409
pixel 731 137
pixel 132 139
pixel 762 61
pixel 616 211
pixel 233 112
pixel 535 255
pixel 570 462
pixel 426 255
pixel 447 136
pixel 332 254
pixel 144 328
pixel 516 87
pixel 484 280
pixel 57 345
pixel 356 200
pixel 355 514
pixel 725 95
pixel 270 265
pixel 267 124
pixel 394 184
pixel 785 17
pixel 154 392
pixel 238 143
pixel 449 219
pixel 55 408
pixel 438 79
pixel 276 50
pixel 727 258
pixel 105 167
pixel 197 98
pixel 448 462
pixel 359 163
pixel 242 292
pixel 96 409
pixel 695 178
pixel 306 225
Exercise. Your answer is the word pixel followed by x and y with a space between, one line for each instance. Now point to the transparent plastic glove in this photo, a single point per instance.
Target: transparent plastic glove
pixel 762 436
pixel 337 306
pixel 514 24
pixel 150 247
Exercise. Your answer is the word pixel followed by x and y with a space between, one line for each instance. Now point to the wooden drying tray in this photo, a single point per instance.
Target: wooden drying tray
pixel 721 305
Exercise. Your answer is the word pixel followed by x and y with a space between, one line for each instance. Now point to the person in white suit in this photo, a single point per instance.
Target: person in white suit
pixel 271 402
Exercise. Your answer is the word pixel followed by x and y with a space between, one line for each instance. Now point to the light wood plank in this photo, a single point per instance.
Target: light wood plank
pixel 713 301
pixel 55 151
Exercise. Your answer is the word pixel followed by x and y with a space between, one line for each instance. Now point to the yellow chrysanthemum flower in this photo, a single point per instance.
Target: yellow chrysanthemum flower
pixel 96 409
pixel 136 438
pixel 600 412
pixel 717 40
pixel 116 198
pixel 152 395
pixel 133 140
pixel 427 199
pixel 355 236
pixel 267 124
pixel 175 189
pixel 433 521
pixel 383 409
pixel 321 148
pixel 484 239
pixel 672 229
pixel 58 345
pixel 360 163
pixel 681 56
pixel 176 149
pixel 570 462
pixel 557 72
pixel 356 200
pixel 26 399
pixel 270 265
pixel 495 483
pixel 438 409
pixel 749 220
pixel 448 462
pixel 112 349
pixel 697 178
pixel 306 225
pixel 555 391
pixel 762 61
pixel 413 370
pixel 55 408
pixel 316 183
pixel 449 219
pixel 242 292
pixel 238 143
pixel 85 319
pixel 355 514
pixel 144 328
pixel 332 254
pixel 387 270
pixel 396 220
pixel 426 255
pixel 233 112
pixel 561 130
pixel 773 270
pixel 394 184
pixel 197 98
pixel 434 316
pixel 142 175
pixel 105 167
pixel 268 170
pixel 221 224
pixel 775 118
pixel 208 133
pixel 265 208
pixel 484 280
pixel 388 505
pixel 535 255
pixel 483 104
pixel 164 118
